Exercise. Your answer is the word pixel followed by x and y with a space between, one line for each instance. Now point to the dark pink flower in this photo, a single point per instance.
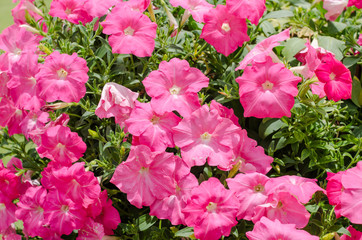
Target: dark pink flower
pixel 359 41
pixel 174 86
pixel 252 10
pixel 70 10
pixel 206 135
pixel 267 90
pixel 62 77
pixel 211 210
pixel 91 230
pixel 34 121
pixel 334 190
pixel 356 3
pixel 97 8
pixel 131 32
pixel 250 190
pixel 61 145
pixel 267 229
pixel 152 129
pixel 355 235
pixel 135 5
pixel 337 78
pixel 197 8
pixel 7 212
pixel 10 183
pixel 224 30
pixel 145 176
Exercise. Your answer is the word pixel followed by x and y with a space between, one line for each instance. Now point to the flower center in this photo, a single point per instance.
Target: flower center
pixel 332 76
pixel 175 90
pixel 280 204
pixel 205 136
pixel 64 208
pixel 2 206
pixel 259 188
pixel 62 74
pixel 60 146
pixel 225 27
pixel 143 170
pixel 267 85
pixel 211 207
pixel 17 51
pixel 128 31
pixel 155 120
pixel 68 11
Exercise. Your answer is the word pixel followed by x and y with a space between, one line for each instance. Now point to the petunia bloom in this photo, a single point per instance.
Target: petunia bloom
pixel 62 77
pixel 70 10
pixel 267 90
pixel 197 8
pixel 224 30
pixel 334 8
pixel 252 10
pixel 131 32
pixel 355 235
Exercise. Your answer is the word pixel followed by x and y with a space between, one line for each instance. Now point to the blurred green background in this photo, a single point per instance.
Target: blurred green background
pixel 5 13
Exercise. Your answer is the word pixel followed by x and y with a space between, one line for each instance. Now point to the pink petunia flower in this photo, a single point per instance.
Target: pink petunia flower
pixel 246 9
pixel 337 78
pixel 211 210
pixel 267 90
pixel 4 75
pixel 7 212
pixel 302 188
pixel 62 77
pixel 359 41
pixel 145 176
pixel 334 190
pixel 197 8
pixel 25 7
pixel 131 32
pixel 263 49
pixel 97 8
pixel 250 190
pixel 356 3
pixel 174 86
pixel 206 135
pixel 116 101
pixel 91 230
pixel 267 229
pixel 224 112
pixel 34 121
pixel 10 183
pixel 70 10
pixel 355 235
pixel 224 30
pixel 152 129
pixel 61 145
pixel 135 5
pixel 334 8
pixel 284 207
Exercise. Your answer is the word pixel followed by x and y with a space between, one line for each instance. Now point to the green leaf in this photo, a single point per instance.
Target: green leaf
pixel 292 47
pixel 146 221
pixel 279 14
pixel 267 28
pixel 270 126
pixel 185 232
pixel 333 45
pixel 342 230
pixel 356 91
pixel 336 27
pixel 358 132
pixel 305 154
pixel 350 61
pixel 312 208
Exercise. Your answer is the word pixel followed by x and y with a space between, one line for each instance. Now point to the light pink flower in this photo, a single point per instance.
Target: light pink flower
pixel 251 157
pixel 263 49
pixel 174 86
pixel 145 176
pixel 302 188
pixel 131 32
pixel 152 129
pixel 96 8
pixel 250 190
pixel 355 235
pixel 61 145
pixel 170 207
pixel 116 101
pixel 206 135
pixel 63 77
pixel 70 10
pixel 334 190
pixel 252 10
pixel 4 75
pixel 267 90
pixel 211 210
pixel 284 207
pixel 224 30
pixel 334 8
pixel 34 121
pixel 25 7
pixel 11 116
pixel 224 112
pixel 7 212
pixel 267 229
pixel 197 8
pixel 135 5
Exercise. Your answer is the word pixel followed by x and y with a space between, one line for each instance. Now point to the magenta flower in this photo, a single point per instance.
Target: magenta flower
pixel 131 32
pixel 10 183
pixel 7 212
pixel 174 87
pixel 250 190
pixel 267 229
pixel 91 230
pixel 337 78
pixel 61 145
pixel 355 235
pixel 145 176
pixel 284 207
pixel 70 10
pixel 62 77
pixel 197 8
pixel 246 9
pixel 211 210
pixel 356 3
pixel 153 130
pixel 334 190
pixel 267 90
pixel 263 49
pixel 116 101
pixel 135 5
pixel 206 135
pixel 224 30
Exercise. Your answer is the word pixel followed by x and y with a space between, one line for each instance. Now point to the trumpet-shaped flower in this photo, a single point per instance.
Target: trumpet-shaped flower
pixel 252 10
pixel 174 86
pixel 197 8
pixel 7 212
pixel 267 90
pixel 131 32
pixel 224 30
pixel 70 10
pixel 62 77
pixel 334 8
pixel 355 235
pixel 211 210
